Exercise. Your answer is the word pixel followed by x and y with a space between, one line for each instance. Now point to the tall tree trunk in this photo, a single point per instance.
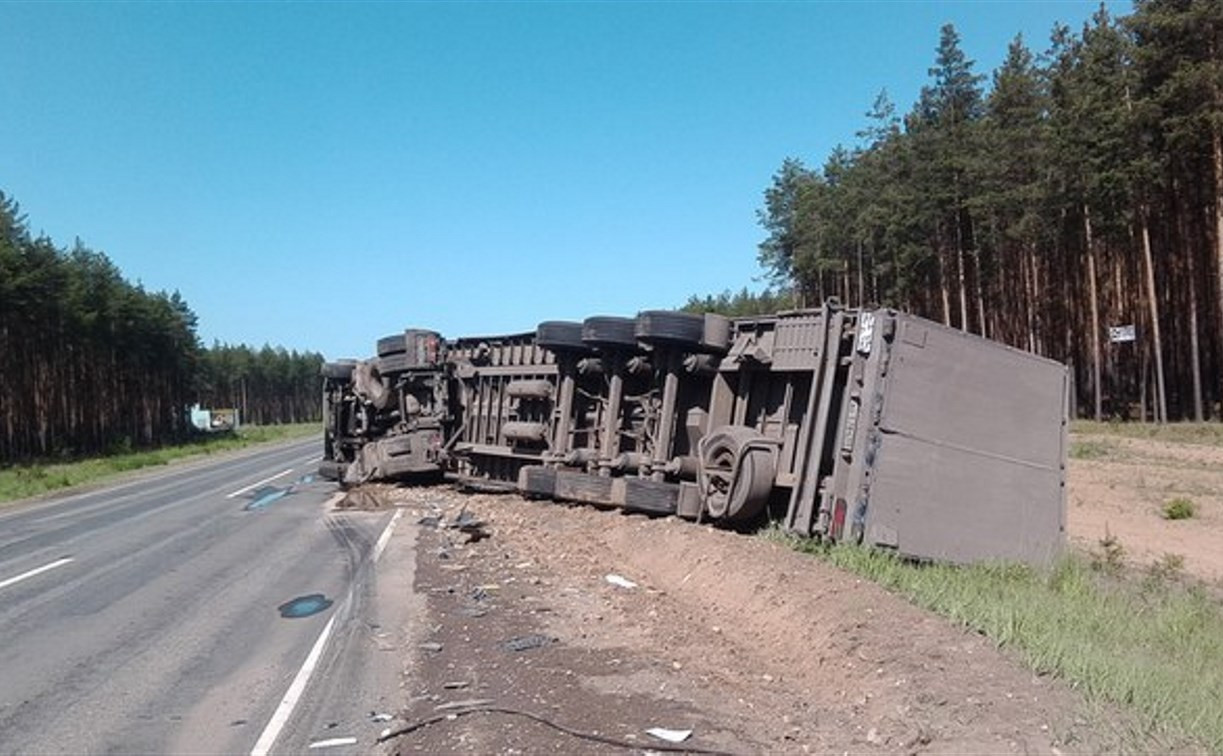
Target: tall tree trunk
pixel 942 285
pixel 959 262
pixel 1161 398
pixel 980 296
pixel 1216 144
pixel 1033 303
pixel 1094 301
pixel 1195 353
pixel 861 277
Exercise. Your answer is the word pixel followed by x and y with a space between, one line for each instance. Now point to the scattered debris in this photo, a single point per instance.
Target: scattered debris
pixel 332 743
pixel 431 646
pixel 528 642
pixel 468 525
pixel 671 736
pixel 430 521
pixel 621 581
pixel 376 717
pixel 456 685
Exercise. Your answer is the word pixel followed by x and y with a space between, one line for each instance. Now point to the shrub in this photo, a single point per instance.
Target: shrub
pixel 1178 509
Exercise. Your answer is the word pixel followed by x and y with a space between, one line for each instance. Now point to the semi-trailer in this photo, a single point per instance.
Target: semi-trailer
pixel 863 425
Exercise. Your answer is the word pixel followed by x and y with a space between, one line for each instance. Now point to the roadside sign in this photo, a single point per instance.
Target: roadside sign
pixel 1121 333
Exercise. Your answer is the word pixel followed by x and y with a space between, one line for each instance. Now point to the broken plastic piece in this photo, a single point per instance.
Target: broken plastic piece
pixel 621 581
pixel 332 743
pixel 466 704
pixel 671 736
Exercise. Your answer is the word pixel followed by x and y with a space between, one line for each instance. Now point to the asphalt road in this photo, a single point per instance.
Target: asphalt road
pixel 147 617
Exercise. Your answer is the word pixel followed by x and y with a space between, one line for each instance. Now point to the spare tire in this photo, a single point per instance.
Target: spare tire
pixel 667 327
pixel 392 345
pixel 604 330
pixel 340 370
pixel 560 335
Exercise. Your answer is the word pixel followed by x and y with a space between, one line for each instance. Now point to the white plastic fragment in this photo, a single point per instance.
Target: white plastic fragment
pixel 671 736
pixel 381 717
pixel 621 581
pixel 332 743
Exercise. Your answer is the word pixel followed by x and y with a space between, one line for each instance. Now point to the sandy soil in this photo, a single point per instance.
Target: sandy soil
pixel 753 647
pixel 1121 492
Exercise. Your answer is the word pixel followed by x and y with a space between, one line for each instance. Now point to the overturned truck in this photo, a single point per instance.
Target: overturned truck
pixel 861 425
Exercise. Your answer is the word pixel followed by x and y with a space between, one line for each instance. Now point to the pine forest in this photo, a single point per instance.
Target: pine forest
pixel 90 363
pixel 1075 193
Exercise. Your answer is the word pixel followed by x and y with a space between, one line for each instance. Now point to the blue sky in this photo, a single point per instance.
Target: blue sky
pixel 319 175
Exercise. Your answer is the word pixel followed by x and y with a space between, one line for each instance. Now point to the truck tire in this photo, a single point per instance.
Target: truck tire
pixel 392 345
pixel 560 335
pixel 737 468
pixel 717 333
pixel 607 331
pixel 340 370
pixel 666 327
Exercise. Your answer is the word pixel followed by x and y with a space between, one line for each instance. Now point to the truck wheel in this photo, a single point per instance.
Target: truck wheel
pixel 666 327
pixel 737 469
pixel 560 335
pixel 340 370
pixel 392 345
pixel 607 331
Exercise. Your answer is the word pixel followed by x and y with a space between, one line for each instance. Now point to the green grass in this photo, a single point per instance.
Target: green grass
pixel 1148 642
pixel 1092 449
pixel 1178 509
pixel 1206 434
pixel 22 481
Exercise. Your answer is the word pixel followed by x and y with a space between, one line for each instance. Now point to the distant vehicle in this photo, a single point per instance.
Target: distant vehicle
pixel 870 426
pixel 214 420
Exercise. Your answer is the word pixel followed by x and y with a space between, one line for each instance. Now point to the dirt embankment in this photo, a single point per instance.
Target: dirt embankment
pixel 753 647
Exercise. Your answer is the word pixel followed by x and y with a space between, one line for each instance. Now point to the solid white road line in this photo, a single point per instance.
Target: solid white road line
pixel 35 571
pixel 386 535
pixel 285 710
pixel 256 484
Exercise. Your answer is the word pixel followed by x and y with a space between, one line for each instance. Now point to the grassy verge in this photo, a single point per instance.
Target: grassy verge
pixel 1207 434
pixel 1149 642
pixel 22 481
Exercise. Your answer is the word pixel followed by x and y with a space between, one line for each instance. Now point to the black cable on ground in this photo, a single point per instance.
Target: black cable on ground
pixel 436 718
